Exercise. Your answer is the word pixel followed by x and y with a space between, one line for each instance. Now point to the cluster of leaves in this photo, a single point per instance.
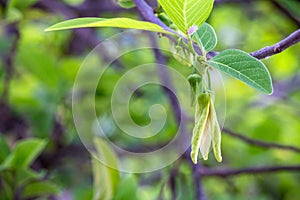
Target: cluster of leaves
pixel 18 179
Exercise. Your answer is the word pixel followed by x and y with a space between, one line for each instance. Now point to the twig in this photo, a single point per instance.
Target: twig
pixel 147 12
pixel 251 170
pixel 289 41
pixel 260 143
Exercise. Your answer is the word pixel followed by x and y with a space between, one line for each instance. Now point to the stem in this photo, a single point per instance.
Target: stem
pixel 208 79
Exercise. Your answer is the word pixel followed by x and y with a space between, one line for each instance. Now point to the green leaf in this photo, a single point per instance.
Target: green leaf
pixel 28 175
pixel 244 67
pixel 102 22
pixel 40 189
pixel 24 153
pixel 206 37
pixel 186 13
pixel 106 178
pixel 4 149
pixel 127 189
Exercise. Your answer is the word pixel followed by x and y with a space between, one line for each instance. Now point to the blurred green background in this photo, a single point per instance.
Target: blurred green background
pixel 37 73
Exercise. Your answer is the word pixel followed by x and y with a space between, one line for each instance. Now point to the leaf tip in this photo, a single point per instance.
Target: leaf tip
pixel 219 158
pixel 194 158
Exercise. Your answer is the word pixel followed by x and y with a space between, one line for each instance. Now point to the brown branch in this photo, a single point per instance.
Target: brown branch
pixel 197 178
pixel 259 143
pixel 289 41
pixel 251 170
pixel 148 13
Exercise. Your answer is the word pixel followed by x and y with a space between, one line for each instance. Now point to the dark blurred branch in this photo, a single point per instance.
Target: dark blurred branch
pixel 199 191
pixel 289 41
pixel 13 35
pixel 286 12
pixel 86 9
pixel 251 170
pixel 81 36
pixel 259 142
pixel 9 121
pixel 282 90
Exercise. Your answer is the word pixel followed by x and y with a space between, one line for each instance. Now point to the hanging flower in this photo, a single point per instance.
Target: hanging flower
pixel 206 132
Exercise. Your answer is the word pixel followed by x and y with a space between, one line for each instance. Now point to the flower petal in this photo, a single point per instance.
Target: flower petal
pixel 216 134
pixel 201 115
pixel 205 139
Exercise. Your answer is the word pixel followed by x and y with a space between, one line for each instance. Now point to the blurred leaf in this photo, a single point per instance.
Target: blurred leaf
pixel 127 189
pixel 40 189
pixel 102 22
pixel 206 37
pixel 74 2
pixel 39 63
pixel 4 149
pixel 244 67
pixel 24 153
pixel 27 175
pixel 106 178
pixel 21 4
pixel 126 3
pixel 187 13
pixel 13 15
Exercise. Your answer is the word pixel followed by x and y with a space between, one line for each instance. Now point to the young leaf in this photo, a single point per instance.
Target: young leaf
pixel 201 115
pixel 215 133
pixel 186 13
pixel 182 55
pixel 40 189
pixel 127 188
pixel 102 22
pixel 244 67
pixel 24 153
pixel 206 37
pixel 106 178
pixel 4 149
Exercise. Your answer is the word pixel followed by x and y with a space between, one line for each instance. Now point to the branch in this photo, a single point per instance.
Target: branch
pixel 282 90
pixel 291 40
pixel 147 12
pixel 197 178
pixel 252 170
pixel 267 145
pixel 12 34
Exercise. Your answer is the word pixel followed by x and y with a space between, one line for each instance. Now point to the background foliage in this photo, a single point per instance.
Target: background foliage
pixel 37 73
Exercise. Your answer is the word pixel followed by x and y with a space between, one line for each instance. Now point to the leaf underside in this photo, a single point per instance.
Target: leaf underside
pixel 206 37
pixel 244 67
